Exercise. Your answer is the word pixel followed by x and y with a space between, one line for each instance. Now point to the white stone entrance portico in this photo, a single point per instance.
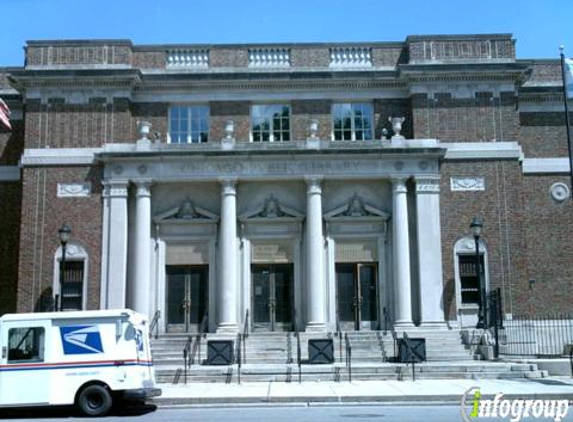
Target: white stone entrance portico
pixel 309 190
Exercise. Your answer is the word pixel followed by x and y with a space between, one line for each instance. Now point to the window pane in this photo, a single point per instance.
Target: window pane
pixel 187 123
pixel 270 122
pixel 26 344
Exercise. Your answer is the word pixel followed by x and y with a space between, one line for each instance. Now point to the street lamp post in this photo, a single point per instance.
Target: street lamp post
pixel 476 227
pixel 64 234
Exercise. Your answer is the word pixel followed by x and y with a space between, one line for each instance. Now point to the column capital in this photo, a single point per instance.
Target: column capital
pixel 115 188
pixel 427 185
pixel 313 184
pixel 399 185
pixel 143 188
pixel 228 186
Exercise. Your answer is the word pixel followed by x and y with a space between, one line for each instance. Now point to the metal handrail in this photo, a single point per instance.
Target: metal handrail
pixel 241 349
pixel 153 325
pixel 298 350
pixel 238 357
pixel 246 324
pixel 348 356
pixel 203 328
pixel 387 321
pixel 186 357
pixel 339 335
pixel 412 359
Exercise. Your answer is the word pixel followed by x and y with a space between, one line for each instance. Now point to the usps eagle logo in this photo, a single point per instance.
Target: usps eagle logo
pixel 81 339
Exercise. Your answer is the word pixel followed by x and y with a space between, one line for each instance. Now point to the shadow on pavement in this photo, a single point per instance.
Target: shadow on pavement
pixel 51 412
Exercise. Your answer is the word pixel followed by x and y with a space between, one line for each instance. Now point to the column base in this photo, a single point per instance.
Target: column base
pixel 227 328
pixel 315 327
pixel 434 325
pixel 402 325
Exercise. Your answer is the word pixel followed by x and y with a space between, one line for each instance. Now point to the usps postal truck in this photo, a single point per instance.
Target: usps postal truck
pixel 87 358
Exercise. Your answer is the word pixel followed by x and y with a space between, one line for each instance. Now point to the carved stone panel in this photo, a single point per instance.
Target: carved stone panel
pixel 467 183
pixel 74 190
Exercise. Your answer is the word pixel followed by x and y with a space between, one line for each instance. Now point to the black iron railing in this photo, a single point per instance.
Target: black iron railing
pixel 388 323
pixel 186 355
pixel 196 350
pixel 154 325
pixel 411 354
pixel 339 335
pixel 192 348
pixel 348 357
pixel 526 335
pixel 241 348
pixel 238 358
pixel 298 350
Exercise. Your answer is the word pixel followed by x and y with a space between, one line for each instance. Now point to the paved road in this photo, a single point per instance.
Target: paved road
pixel 299 413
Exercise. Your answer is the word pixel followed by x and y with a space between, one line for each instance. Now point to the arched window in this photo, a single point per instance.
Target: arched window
pixel 467 281
pixel 71 288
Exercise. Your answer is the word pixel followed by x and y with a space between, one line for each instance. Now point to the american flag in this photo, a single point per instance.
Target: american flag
pixel 5 114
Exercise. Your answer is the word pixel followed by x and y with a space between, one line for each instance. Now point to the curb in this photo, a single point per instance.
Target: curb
pixel 418 400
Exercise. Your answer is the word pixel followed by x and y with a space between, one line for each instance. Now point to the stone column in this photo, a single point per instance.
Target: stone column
pixel 430 252
pixel 227 292
pixel 402 279
pixel 114 279
pixel 140 291
pixel 315 281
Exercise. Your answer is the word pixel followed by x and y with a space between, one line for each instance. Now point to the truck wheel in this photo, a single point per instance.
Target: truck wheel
pixel 95 400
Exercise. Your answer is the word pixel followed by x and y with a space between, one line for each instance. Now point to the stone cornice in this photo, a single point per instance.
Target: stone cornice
pixel 281 85
pixel 65 156
pixel 26 79
pixel 483 151
pixel 464 72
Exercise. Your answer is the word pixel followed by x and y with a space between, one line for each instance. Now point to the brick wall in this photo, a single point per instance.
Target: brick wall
pixel 57 124
pixel 43 213
pixel 501 208
pixel 543 134
pixel 480 118
pixel 549 248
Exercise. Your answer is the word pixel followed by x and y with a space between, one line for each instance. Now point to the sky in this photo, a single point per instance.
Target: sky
pixel 540 26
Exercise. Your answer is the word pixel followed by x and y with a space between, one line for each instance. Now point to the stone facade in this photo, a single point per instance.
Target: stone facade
pixel 479 128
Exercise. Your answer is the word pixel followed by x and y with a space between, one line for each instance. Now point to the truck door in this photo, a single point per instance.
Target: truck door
pixel 24 374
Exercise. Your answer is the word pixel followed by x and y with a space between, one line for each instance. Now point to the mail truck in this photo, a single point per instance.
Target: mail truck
pixel 87 358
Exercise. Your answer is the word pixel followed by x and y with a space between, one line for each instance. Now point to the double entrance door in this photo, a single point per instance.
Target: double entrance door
pixel 187 297
pixel 357 294
pixel 272 296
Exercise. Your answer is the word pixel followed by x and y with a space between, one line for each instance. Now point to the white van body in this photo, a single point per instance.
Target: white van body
pixel 87 358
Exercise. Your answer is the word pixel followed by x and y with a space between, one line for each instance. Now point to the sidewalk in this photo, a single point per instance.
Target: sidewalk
pixel 422 391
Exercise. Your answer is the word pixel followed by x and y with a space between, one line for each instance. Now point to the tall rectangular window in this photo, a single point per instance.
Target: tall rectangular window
pixel 469 280
pixel 72 289
pixel 188 124
pixel 352 121
pixel 270 123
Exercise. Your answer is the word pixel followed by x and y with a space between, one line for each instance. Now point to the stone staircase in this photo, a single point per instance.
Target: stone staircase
pixel 273 357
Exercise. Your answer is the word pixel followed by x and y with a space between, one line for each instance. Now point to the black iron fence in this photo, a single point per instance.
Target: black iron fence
pixel 526 335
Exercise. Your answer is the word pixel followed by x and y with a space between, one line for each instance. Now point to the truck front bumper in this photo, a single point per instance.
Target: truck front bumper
pixel 141 393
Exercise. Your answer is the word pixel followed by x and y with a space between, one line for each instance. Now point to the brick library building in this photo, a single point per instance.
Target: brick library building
pixel 319 187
